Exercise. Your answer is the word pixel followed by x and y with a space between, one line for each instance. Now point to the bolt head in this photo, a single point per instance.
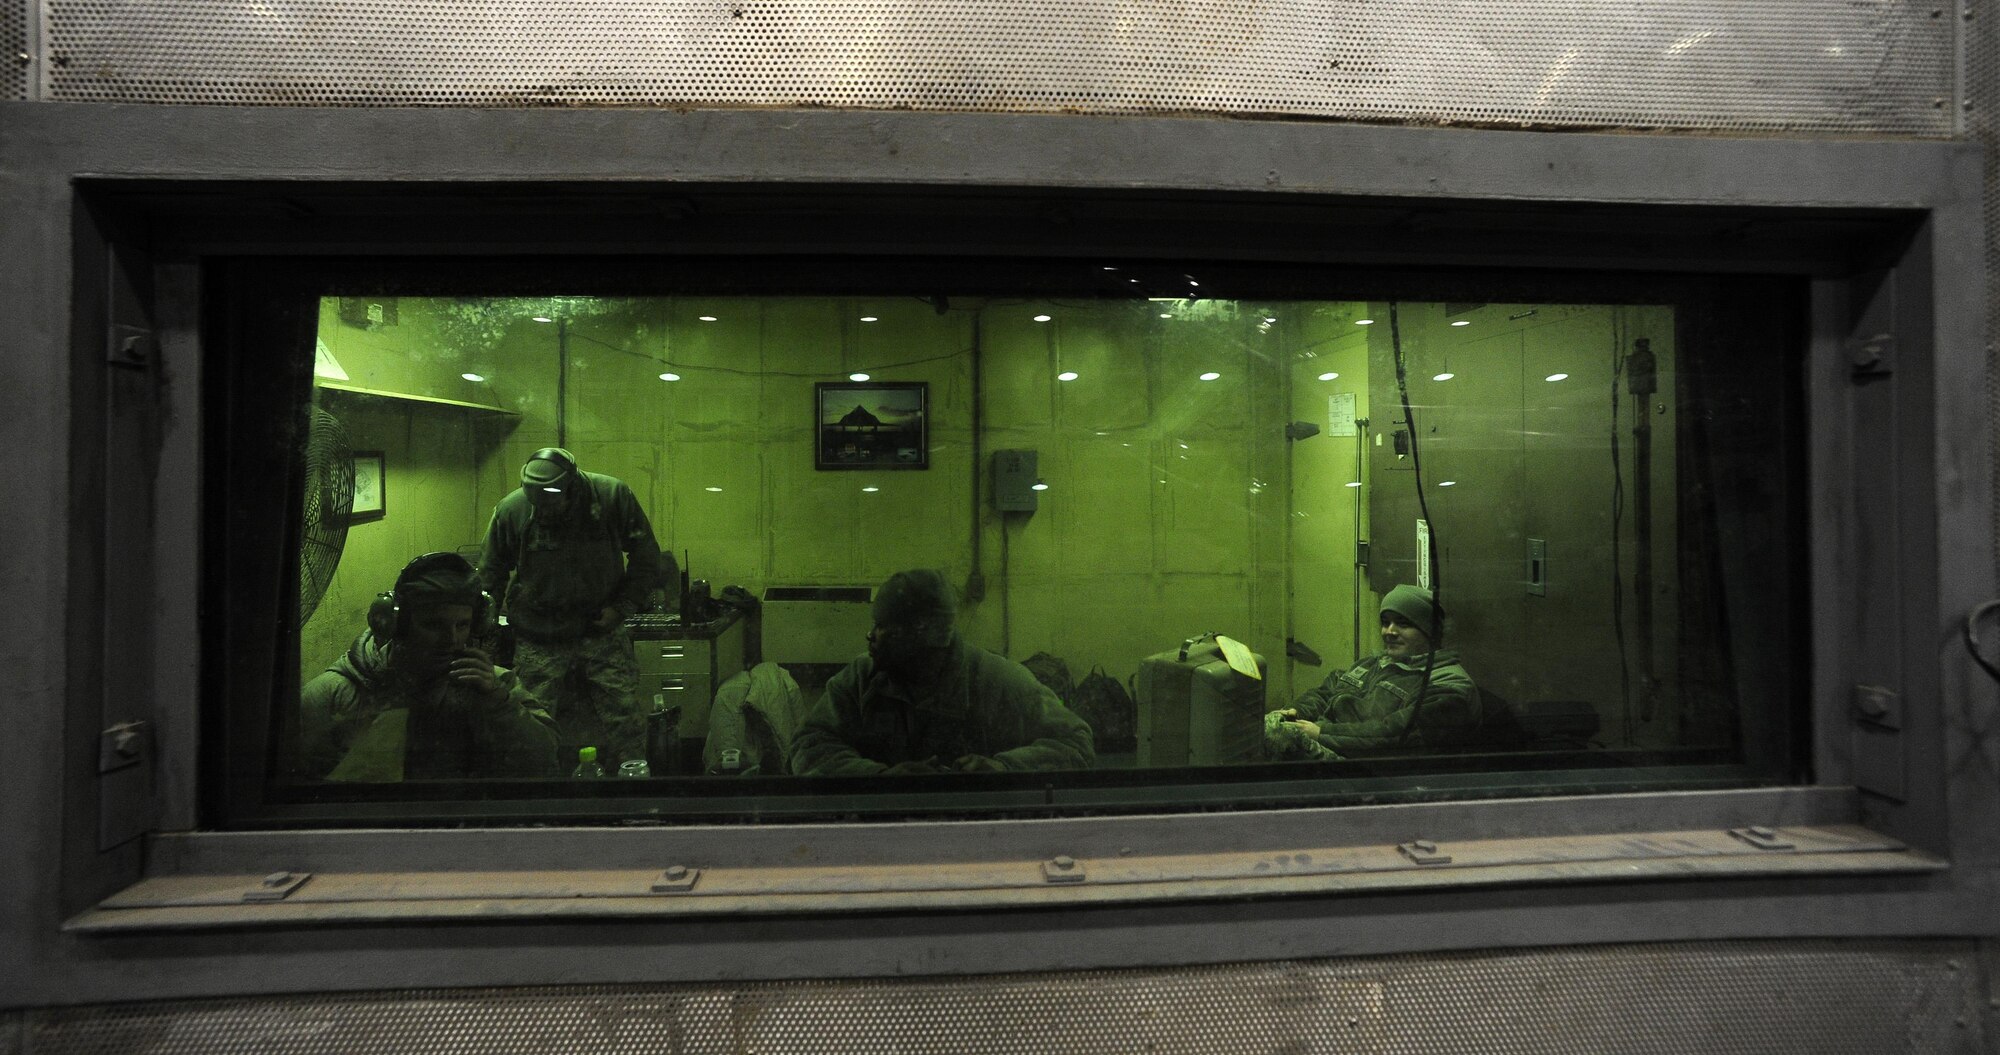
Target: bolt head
pixel 276 879
pixel 677 871
pixel 1064 863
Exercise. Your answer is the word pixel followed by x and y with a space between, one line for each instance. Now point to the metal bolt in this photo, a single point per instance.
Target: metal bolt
pixel 1063 863
pixel 23 58
pixel 1424 846
pixel 277 879
pixel 677 872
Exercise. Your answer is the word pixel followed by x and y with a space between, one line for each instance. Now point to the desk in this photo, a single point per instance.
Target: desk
pixel 684 663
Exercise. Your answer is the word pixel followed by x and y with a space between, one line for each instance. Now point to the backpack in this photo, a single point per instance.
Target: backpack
pixel 1052 672
pixel 1113 716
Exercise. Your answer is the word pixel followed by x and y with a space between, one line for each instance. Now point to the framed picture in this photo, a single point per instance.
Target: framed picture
pixel 873 425
pixel 370 483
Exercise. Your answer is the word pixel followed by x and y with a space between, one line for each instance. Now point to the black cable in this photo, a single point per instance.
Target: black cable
pixel 1423 509
pixel 1617 519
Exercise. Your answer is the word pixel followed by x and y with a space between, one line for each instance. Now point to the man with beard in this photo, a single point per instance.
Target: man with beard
pixel 412 699
pixel 1383 704
pixel 924 701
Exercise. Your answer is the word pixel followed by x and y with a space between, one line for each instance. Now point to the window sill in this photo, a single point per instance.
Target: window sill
pixel 234 880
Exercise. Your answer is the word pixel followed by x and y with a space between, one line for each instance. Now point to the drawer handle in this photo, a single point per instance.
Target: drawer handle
pixel 673 651
pixel 673 684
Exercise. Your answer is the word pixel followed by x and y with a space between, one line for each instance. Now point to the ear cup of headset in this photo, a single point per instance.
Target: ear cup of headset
pixel 385 614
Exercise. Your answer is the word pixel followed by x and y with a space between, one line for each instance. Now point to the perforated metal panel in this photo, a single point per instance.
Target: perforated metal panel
pixel 14 53
pixel 1819 997
pixel 1982 111
pixel 1828 65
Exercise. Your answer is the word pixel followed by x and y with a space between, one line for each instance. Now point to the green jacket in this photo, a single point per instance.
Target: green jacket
pixel 363 720
pixel 1364 709
pixel 567 569
pixel 984 704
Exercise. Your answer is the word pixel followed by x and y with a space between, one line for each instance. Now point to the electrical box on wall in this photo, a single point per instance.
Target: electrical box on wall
pixel 1015 474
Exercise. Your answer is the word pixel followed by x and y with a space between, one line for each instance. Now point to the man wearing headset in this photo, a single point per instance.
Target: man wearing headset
pixel 574 556
pixel 413 699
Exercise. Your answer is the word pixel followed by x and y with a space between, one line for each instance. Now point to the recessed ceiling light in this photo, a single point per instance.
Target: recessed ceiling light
pixel 1041 318
pixel 1038 486
pixel 1329 376
pixel 870 318
pixel 1166 315
pixel 472 377
pixel 857 377
pixel 670 376
pixel 1066 375
pixel 707 318
pixel 1462 322
pixel 1364 322
pixel 1210 376
pixel 1270 318
pixel 1556 377
pixel 717 490
pixel 543 318
pixel 1446 376
pixel 1354 483
pixel 1448 483
pixel 870 490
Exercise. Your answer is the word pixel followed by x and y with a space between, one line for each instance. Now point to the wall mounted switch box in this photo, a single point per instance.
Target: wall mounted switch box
pixel 1014 476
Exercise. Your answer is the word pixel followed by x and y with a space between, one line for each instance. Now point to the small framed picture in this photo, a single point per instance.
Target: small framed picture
pixel 873 425
pixel 370 486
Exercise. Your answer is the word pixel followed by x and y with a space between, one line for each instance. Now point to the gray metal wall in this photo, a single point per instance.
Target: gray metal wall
pixel 1818 68
pixel 1865 998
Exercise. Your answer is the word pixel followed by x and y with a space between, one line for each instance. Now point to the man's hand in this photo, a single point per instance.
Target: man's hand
pixel 1306 727
pixel 978 764
pixel 608 618
pixel 473 670
pixel 904 769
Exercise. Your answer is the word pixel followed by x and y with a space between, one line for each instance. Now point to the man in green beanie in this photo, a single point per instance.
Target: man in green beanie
pixel 1383 705
pixel 924 701
pixel 413 699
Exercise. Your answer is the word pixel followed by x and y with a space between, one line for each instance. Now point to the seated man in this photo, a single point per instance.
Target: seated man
pixel 1372 708
pixel 412 699
pixel 924 701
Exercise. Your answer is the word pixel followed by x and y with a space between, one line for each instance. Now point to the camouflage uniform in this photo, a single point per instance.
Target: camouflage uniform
pixel 1364 710
pixel 365 720
pixel 556 574
pixel 984 704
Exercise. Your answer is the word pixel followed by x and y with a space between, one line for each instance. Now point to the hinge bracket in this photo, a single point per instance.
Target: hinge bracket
pixel 276 887
pixel 1763 838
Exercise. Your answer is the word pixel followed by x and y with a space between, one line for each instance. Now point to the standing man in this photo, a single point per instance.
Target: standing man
pixel 581 558
pixel 413 699
pixel 924 701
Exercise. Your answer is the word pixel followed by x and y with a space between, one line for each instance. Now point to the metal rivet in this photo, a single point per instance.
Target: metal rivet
pixel 677 872
pixel 1064 863
pixel 277 879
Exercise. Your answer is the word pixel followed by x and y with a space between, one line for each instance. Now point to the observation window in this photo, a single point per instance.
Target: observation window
pixel 1182 536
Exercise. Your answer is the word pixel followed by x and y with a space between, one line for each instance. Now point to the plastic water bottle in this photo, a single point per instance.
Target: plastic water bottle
pixel 587 767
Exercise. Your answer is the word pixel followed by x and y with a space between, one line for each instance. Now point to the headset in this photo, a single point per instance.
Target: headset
pixel 387 618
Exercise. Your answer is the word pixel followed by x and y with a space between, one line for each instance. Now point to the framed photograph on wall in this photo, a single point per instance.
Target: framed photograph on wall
pixel 370 486
pixel 872 425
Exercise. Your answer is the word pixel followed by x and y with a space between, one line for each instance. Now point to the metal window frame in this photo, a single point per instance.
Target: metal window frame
pixel 1904 514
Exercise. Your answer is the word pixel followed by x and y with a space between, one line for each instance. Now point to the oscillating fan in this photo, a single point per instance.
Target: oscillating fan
pixel 329 499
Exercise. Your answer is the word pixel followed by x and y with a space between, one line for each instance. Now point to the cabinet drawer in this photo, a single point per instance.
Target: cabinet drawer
pixel 692 693
pixel 657 656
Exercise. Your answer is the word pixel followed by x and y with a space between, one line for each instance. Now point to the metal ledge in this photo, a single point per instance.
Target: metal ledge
pixel 708 888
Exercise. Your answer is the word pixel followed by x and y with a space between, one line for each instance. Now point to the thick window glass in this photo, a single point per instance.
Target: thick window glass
pixel 951 549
